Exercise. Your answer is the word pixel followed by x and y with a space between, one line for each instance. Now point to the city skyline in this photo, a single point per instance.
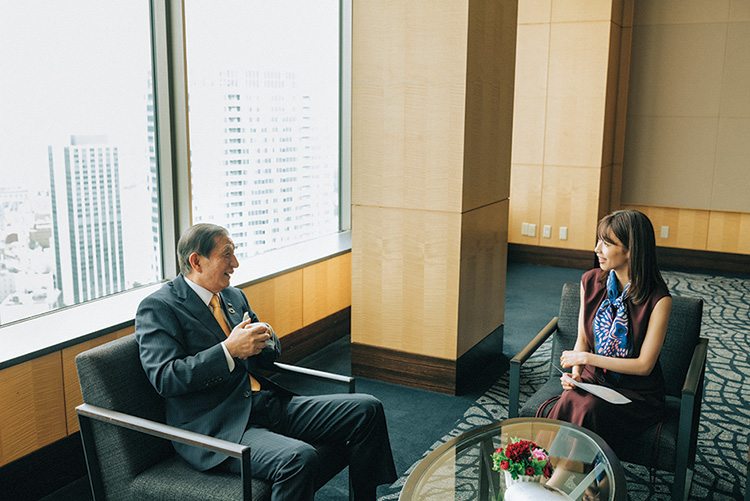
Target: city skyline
pixel 102 86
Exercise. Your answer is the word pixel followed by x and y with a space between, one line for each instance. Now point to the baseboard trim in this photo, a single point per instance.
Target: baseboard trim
pixel 669 258
pixel 44 471
pixel 451 377
pixel 551 256
pixel 303 342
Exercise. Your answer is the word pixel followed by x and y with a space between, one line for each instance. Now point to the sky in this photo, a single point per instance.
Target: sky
pixel 82 67
pixel 69 68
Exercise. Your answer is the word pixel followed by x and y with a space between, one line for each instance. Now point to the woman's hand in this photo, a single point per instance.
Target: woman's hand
pixel 566 384
pixel 572 358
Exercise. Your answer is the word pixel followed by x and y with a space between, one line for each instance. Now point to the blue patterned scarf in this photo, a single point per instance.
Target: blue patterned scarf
pixel 611 323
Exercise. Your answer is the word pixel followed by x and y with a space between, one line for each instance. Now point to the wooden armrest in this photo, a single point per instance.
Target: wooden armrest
pixel 326 376
pixel 695 370
pixel 535 343
pixel 161 430
pixel 514 390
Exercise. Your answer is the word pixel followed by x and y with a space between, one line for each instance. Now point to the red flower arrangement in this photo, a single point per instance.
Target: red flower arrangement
pixel 522 457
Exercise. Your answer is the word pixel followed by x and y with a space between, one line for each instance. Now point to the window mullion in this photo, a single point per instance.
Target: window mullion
pixel 170 104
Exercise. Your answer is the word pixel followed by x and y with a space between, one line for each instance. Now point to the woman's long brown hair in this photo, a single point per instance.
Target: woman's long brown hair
pixel 636 233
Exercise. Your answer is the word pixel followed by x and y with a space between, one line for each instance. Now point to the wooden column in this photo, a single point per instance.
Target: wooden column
pixel 432 112
pixel 569 124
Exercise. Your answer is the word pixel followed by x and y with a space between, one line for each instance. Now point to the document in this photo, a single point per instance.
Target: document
pixel 602 392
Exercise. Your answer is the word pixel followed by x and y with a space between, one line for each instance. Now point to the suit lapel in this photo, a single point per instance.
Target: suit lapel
pixel 197 308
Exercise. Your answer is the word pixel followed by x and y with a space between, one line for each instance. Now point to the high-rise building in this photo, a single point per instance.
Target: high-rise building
pixel 86 210
pixel 255 166
pixel 153 184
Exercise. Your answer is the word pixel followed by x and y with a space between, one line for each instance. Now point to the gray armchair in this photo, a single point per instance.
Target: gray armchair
pixel 127 445
pixel 683 362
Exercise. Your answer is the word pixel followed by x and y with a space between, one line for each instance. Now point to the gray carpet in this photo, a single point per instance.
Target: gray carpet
pixel 725 413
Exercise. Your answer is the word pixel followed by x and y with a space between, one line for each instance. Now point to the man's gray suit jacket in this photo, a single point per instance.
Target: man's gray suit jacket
pixel 180 350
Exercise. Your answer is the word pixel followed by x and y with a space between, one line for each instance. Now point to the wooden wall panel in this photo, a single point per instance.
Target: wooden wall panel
pixel 571 199
pixel 576 100
pixel 405 272
pixel 530 102
pixel 729 232
pixel 32 406
pixel 408 103
pixel 489 102
pixel 526 202
pixel 72 387
pixel 278 302
pixel 484 254
pixel 326 288
pixel 688 228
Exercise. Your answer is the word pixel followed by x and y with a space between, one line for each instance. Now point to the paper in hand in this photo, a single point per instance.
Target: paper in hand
pixel 269 342
pixel 602 392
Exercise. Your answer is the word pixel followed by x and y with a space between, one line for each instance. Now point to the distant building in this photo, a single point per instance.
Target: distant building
pixel 21 305
pixel 257 166
pixel 153 184
pixel 87 219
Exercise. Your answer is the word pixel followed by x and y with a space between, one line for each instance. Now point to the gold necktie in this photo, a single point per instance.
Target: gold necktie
pixel 216 310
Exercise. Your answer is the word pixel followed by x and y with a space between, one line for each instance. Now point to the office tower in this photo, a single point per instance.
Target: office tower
pixel 153 183
pixel 85 187
pixel 263 164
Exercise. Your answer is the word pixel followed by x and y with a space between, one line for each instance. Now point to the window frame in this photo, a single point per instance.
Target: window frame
pixel 92 319
pixel 173 129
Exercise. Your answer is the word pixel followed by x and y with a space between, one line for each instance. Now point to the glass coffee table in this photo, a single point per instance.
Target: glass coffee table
pixel 461 469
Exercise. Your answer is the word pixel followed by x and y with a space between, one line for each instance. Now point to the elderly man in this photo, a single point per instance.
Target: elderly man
pixel 201 345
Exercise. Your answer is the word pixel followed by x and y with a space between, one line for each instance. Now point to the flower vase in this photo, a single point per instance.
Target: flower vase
pixel 521 478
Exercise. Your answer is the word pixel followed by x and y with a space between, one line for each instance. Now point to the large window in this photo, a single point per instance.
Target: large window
pixel 94 148
pixel 77 191
pixel 263 94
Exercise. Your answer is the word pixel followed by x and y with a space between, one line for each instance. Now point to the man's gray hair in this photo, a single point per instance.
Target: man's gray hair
pixel 199 238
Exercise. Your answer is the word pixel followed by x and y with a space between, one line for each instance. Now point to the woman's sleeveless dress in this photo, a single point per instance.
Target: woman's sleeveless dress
pixel 614 423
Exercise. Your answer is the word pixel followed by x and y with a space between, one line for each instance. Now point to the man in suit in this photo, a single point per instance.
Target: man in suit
pixel 202 357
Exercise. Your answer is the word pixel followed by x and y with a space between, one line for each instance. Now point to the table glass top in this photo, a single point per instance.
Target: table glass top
pixel 584 466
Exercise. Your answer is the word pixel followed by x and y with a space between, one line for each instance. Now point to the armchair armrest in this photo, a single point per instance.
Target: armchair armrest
pixel 161 430
pixel 519 359
pixel 695 370
pixel 690 401
pixel 87 412
pixel 325 376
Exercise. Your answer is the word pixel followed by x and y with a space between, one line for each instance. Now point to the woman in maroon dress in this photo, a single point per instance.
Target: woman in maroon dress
pixel 622 322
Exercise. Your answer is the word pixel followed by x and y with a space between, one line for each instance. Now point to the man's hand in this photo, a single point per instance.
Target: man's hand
pixel 247 339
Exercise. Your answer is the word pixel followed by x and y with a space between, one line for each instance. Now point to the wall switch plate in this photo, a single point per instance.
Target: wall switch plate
pixel 525 229
pixel 665 232
pixel 547 231
pixel 563 232
pixel 532 230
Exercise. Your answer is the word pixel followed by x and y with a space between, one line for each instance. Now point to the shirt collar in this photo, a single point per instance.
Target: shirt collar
pixel 202 292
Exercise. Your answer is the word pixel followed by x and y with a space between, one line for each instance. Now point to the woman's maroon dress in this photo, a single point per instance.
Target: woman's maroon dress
pixel 610 421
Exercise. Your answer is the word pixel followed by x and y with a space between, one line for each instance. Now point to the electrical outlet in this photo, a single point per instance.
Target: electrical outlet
pixel 547 231
pixel 563 232
pixel 532 230
pixel 525 229
pixel 665 232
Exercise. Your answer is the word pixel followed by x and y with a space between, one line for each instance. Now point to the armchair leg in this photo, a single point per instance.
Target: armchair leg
pixel 515 389
pixel 683 479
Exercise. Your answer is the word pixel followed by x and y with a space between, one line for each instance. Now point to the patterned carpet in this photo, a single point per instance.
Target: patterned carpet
pixel 721 462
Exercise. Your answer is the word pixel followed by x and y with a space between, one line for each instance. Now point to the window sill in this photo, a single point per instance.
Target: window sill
pixel 39 336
